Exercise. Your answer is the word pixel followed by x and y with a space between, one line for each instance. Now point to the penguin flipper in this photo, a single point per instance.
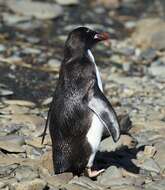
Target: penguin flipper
pixel 100 105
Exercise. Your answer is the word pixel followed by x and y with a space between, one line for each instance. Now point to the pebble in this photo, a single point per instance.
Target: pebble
pixel 68 2
pixel 2 48
pixel 20 103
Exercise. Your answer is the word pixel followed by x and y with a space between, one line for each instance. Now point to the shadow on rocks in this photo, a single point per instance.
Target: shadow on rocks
pixel 121 158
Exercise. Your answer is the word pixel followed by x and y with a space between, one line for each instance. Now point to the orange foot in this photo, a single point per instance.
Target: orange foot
pixel 94 173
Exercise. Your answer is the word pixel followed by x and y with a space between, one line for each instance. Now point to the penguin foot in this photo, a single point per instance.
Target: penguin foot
pixel 94 173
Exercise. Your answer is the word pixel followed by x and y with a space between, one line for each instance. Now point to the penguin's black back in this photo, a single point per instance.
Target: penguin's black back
pixel 70 117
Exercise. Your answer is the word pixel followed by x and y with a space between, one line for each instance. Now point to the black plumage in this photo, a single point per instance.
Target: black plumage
pixel 76 98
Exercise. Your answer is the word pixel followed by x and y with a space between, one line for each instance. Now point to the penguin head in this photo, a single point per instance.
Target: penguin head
pixel 83 38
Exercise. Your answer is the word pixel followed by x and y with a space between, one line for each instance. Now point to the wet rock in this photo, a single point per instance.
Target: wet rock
pixel 149 33
pixel 73 187
pixel 12 143
pixel 26 173
pixel 38 9
pixel 68 2
pixel 36 184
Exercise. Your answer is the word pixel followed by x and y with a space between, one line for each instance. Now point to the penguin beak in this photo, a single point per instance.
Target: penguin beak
pixel 101 36
pixel 104 36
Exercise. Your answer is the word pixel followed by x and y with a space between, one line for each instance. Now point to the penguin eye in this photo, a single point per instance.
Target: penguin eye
pixel 88 31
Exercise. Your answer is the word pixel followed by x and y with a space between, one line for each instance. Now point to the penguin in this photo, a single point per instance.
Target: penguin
pixel 79 112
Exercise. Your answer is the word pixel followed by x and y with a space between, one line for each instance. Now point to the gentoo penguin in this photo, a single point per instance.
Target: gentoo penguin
pixel 79 111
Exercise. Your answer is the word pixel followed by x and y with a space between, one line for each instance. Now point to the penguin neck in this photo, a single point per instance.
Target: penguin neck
pixel 73 54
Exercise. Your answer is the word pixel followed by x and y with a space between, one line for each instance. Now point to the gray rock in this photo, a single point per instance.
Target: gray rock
pixel 150 165
pixel 111 174
pixel 12 143
pixel 8 170
pixel 157 70
pixel 36 184
pixel 2 48
pixel 12 19
pixel 150 33
pixel 160 154
pixel 54 63
pixel 10 128
pixel 36 9
pixel 26 173
pixel 158 185
pixel 86 183
pixel 5 92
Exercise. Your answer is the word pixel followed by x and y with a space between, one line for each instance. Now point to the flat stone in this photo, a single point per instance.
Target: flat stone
pixel 86 183
pixel 12 143
pixel 150 165
pixel 20 103
pixel 8 170
pixel 68 2
pixel 110 174
pixel 26 173
pixel 157 185
pixel 150 33
pixel 40 10
pixel 47 162
pixel 5 92
pixel 36 184
pixel 160 154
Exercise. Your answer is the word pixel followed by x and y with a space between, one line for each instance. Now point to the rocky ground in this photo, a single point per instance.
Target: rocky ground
pixel 32 36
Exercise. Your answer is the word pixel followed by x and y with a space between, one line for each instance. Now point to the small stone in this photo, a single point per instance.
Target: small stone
pixel 149 151
pixel 68 2
pixel 2 48
pixel 20 103
pixel 54 63
pixel 47 101
pixel 36 184
pixel 5 92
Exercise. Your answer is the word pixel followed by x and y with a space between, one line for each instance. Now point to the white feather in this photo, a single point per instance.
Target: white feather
pixel 96 129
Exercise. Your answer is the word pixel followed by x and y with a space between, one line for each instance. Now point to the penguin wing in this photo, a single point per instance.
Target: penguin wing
pixel 100 105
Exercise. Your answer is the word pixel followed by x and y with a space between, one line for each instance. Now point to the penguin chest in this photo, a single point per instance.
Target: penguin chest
pixel 94 133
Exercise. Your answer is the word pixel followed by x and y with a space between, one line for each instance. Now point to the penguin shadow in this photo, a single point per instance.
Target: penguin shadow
pixel 121 158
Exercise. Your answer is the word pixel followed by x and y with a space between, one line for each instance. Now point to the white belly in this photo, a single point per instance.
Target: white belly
pixel 95 133
pixel 96 129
